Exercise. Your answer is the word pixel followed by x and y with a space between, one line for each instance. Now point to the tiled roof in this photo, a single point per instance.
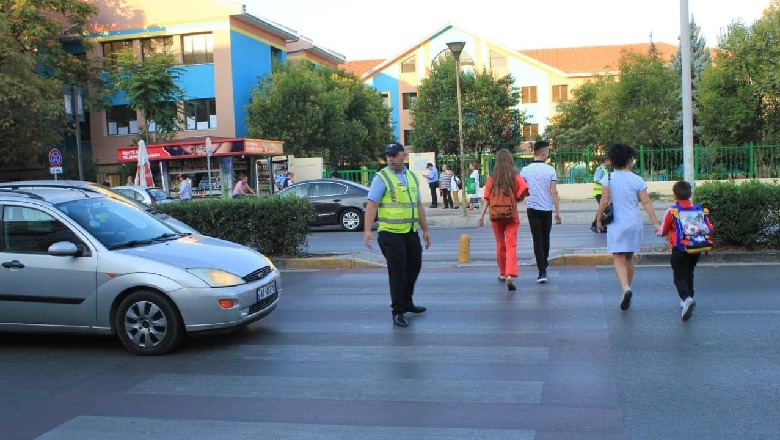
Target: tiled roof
pixel 593 59
pixel 359 67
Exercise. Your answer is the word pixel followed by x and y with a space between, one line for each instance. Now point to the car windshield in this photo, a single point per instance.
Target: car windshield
pixel 157 193
pixel 116 223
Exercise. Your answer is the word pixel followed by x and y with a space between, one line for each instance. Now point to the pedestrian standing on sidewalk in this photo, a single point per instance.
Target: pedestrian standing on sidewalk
pixel 624 190
pixel 601 171
pixel 477 190
pixel 433 183
pixel 683 263
pixel 542 183
pixel 505 180
pixel 394 200
pixel 455 186
pixel 445 184
pixel 185 188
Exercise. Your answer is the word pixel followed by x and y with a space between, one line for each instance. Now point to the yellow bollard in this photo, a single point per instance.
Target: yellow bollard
pixel 463 251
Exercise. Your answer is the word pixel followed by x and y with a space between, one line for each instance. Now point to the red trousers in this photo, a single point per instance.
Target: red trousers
pixel 506 247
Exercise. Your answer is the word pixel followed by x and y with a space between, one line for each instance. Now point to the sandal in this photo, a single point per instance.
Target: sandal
pixel 501 278
pixel 510 284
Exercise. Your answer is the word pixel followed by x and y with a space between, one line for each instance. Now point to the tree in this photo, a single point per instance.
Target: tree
pixel 320 111
pixel 700 61
pixel 740 96
pixel 150 87
pixel 576 123
pixel 31 106
pixel 33 66
pixel 491 119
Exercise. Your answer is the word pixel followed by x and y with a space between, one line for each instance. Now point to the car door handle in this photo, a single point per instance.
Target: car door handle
pixel 337 200
pixel 16 264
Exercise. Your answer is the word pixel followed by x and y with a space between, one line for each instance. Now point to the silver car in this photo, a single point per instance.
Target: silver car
pixel 79 261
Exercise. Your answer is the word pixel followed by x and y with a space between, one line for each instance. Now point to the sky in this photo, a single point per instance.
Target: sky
pixel 362 30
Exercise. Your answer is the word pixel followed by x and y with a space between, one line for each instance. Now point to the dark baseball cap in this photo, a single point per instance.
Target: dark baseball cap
pixel 394 148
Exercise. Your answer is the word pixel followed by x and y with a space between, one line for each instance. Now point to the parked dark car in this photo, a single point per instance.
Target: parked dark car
pixel 336 201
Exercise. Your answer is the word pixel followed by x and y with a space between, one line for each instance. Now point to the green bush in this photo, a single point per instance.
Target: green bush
pixel 746 215
pixel 275 226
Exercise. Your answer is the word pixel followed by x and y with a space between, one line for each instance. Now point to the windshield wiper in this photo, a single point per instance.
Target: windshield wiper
pixel 167 236
pixel 131 243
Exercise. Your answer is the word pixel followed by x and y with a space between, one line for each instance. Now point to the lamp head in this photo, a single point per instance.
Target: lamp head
pixel 456 48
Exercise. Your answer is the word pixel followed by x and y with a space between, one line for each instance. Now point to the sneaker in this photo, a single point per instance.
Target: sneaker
pixel 682 303
pixel 688 307
pixel 625 303
pixel 594 229
pixel 542 278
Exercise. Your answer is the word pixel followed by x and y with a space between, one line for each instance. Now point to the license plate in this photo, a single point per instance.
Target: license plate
pixel 265 291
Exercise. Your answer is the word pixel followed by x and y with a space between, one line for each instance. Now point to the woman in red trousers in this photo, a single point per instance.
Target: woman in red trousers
pixel 505 179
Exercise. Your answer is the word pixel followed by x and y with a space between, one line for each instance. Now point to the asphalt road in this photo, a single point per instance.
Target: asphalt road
pixel 548 362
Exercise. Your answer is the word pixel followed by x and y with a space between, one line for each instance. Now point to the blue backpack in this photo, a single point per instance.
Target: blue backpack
pixel 693 233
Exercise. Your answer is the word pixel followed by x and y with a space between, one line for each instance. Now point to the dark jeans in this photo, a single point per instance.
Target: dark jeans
pixel 434 199
pixel 541 224
pixel 683 265
pixel 403 253
pixel 446 197
pixel 598 202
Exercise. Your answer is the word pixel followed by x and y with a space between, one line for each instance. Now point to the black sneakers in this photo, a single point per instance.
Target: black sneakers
pixel 625 303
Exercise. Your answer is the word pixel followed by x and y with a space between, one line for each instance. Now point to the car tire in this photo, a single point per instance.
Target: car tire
pixel 351 219
pixel 148 323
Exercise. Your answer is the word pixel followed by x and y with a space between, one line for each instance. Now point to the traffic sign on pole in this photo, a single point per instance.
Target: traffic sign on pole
pixel 55 158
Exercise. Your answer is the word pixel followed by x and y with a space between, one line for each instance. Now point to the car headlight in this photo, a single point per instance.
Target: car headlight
pixel 216 277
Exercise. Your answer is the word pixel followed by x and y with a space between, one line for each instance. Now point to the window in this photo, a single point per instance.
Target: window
pixel 151 46
pixel 386 100
pixel 530 131
pixel 200 114
pixel 197 49
pixel 409 100
pixel 529 95
pixel 32 231
pixel 122 120
pixel 560 93
pixel 407 137
pixel 112 48
pixel 409 65
pixel 497 61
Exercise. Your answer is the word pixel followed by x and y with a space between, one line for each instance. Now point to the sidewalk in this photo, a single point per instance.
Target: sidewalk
pixel 577 212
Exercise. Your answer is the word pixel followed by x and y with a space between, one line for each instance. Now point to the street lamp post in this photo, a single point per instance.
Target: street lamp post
pixel 456 48
pixel 74 107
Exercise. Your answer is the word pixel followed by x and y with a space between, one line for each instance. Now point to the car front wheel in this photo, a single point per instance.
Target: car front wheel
pixel 148 324
pixel 351 220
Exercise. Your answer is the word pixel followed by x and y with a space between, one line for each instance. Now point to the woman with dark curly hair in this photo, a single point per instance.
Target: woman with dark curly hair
pixel 624 190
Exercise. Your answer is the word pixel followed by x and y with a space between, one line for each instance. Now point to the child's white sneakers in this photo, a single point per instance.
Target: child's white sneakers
pixel 687 309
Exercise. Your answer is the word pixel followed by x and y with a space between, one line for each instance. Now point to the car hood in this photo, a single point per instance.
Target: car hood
pixel 200 251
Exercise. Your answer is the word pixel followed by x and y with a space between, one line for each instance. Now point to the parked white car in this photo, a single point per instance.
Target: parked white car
pixel 150 196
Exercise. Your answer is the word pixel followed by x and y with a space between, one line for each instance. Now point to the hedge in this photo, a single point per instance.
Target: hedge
pixel 275 226
pixel 745 215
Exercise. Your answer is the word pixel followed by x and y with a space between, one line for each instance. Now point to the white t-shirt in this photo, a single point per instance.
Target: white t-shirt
pixel 475 175
pixel 539 177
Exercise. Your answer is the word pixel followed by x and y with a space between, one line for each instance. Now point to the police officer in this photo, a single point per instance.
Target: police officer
pixel 395 201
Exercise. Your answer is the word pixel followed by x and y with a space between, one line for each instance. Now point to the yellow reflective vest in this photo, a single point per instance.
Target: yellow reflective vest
pixel 596 183
pixel 397 211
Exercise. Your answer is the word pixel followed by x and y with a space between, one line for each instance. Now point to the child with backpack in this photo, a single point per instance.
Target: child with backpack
pixel 690 233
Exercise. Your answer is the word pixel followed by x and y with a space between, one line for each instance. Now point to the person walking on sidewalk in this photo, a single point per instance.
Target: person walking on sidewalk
pixel 433 183
pixel 477 195
pixel 455 186
pixel 601 171
pixel 624 190
pixel 542 181
pixel 395 201
pixel 445 185
pixel 505 181
pixel 683 263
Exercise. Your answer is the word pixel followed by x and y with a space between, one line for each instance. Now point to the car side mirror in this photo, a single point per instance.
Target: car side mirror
pixel 64 249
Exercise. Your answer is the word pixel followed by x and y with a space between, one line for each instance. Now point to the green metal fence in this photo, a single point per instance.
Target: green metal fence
pixel 653 164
